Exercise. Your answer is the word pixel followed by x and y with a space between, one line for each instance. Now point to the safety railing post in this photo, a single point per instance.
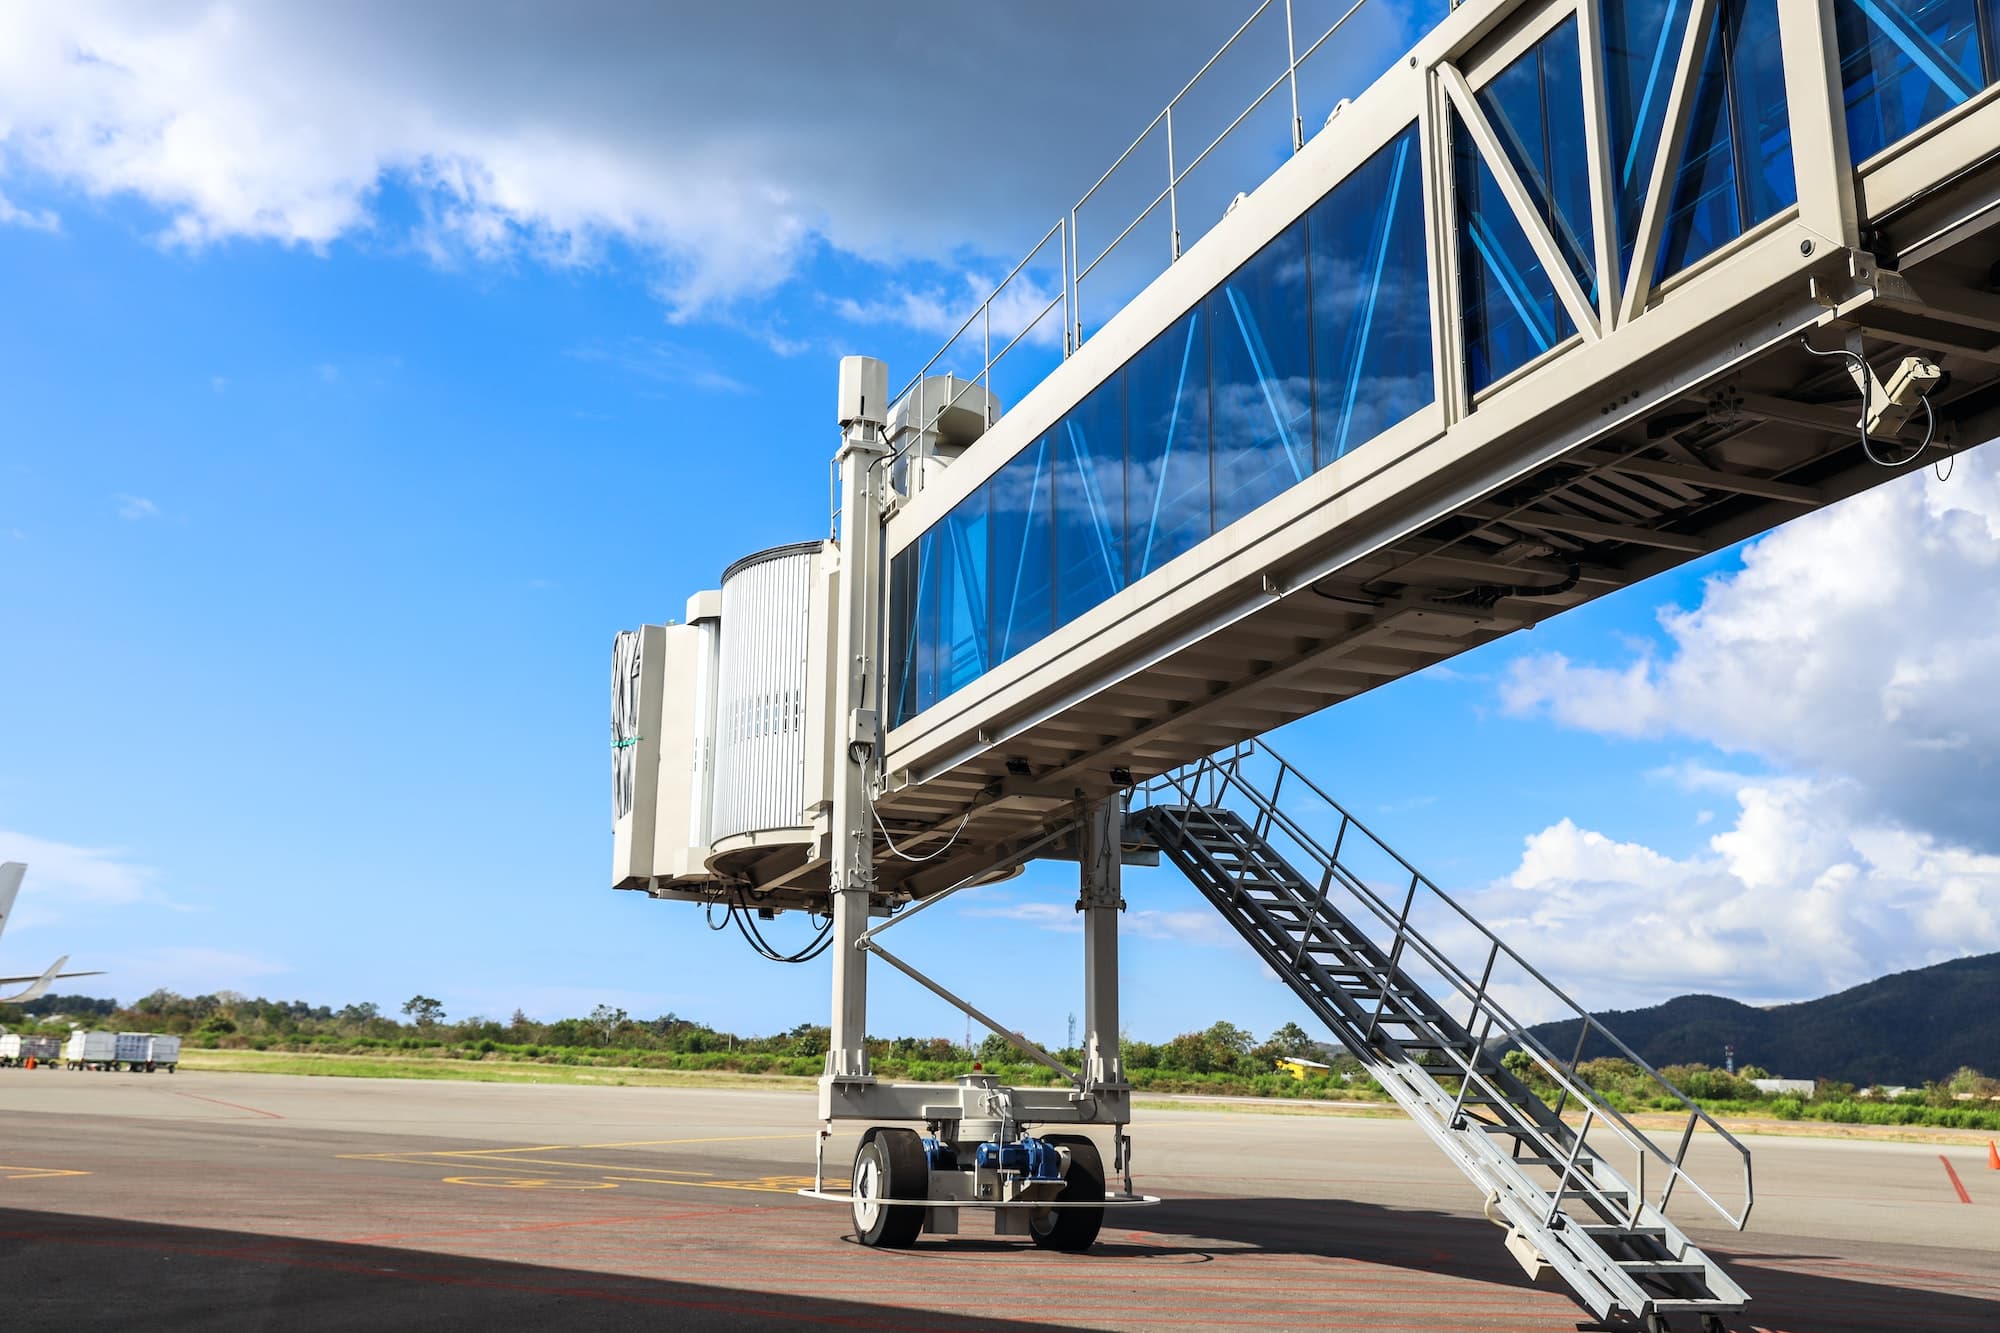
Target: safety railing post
pixel 1292 75
pixel 1173 184
pixel 1465 1079
pixel 1479 995
pixel 1395 956
pixel 1680 1158
pixel 1569 1167
pixel 1066 242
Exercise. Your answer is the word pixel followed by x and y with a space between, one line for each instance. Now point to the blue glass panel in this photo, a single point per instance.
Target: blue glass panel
pixel 1535 106
pixel 1166 456
pixel 1260 340
pixel 1703 213
pixel 930 619
pixel 1904 63
pixel 1511 313
pixel 1763 118
pixel 1642 45
pixel 902 687
pixel 1370 300
pixel 1020 552
pixel 961 577
pixel 1089 447
pixel 1736 166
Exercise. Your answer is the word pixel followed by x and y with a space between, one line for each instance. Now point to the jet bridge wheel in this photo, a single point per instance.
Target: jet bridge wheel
pixel 889 1164
pixel 1072 1230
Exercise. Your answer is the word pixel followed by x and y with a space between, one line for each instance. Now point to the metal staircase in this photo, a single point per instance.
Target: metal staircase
pixel 1370 945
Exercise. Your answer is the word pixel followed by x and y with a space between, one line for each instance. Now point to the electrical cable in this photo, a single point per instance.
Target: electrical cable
pixel 1867 377
pixel 919 859
pixel 1944 467
pixel 1486 595
pixel 740 913
pixel 1368 602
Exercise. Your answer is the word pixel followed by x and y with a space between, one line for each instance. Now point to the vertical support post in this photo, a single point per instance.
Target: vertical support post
pixel 1454 396
pixel 1100 901
pixel 1818 112
pixel 856 696
pixel 1597 146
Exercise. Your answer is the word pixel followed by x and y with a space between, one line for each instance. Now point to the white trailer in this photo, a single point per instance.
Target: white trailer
pixel 16 1049
pixel 162 1052
pixel 90 1050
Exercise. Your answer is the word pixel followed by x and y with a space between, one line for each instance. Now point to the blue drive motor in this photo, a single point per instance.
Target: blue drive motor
pixel 1030 1157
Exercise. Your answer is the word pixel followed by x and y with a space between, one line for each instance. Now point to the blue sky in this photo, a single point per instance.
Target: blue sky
pixel 355 393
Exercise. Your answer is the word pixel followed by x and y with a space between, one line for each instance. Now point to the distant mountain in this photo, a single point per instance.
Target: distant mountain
pixel 1908 1028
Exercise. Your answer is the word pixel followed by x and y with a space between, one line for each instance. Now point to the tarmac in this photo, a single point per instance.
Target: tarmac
pixel 244 1201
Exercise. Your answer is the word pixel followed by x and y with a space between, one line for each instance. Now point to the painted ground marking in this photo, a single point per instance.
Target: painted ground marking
pixel 1956 1183
pixel 36 1172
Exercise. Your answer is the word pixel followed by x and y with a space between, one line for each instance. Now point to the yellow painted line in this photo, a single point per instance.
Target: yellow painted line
pixel 561 1147
pixel 763 1185
pixel 597 1166
pixel 728 1138
pixel 37 1172
pixel 528 1183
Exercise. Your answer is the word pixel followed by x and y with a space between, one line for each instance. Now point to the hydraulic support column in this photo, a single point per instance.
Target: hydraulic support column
pixel 863 409
pixel 1100 902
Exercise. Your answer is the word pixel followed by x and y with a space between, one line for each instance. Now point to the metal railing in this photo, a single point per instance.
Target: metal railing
pixel 1065 232
pixel 1254 774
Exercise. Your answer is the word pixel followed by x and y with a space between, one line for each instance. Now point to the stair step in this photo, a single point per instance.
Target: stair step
pixel 1663 1267
pixel 1614 1231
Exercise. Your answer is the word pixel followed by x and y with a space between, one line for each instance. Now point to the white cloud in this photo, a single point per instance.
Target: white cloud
pixel 661 361
pixel 1024 309
pixel 62 874
pixel 1809 891
pixel 1860 644
pixel 721 143
pixel 134 507
pixel 187 969
pixel 34 219
pixel 1204 927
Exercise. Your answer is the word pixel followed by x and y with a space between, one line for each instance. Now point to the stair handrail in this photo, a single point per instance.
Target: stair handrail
pixel 1222 772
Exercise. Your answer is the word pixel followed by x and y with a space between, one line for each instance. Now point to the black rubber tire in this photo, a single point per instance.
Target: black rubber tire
pixel 1073 1230
pixel 889 1164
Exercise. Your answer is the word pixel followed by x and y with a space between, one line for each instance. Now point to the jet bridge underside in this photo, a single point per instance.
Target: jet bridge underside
pixel 1699 424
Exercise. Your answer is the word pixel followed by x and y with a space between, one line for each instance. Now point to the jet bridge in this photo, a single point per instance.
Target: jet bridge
pixel 1575 292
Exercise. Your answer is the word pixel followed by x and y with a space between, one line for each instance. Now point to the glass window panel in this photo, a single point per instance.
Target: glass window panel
pixel 1021 552
pixel 1763 119
pixel 1904 63
pixel 1703 213
pixel 1535 106
pixel 930 631
pixel 1166 459
pixel 961 562
pixel 1511 313
pixel 1089 447
pixel 1260 329
pixel 1736 167
pixel 1370 300
pixel 1642 45
pixel 902 634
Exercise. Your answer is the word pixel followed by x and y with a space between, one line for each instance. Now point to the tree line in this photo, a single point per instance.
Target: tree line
pixel 1221 1058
